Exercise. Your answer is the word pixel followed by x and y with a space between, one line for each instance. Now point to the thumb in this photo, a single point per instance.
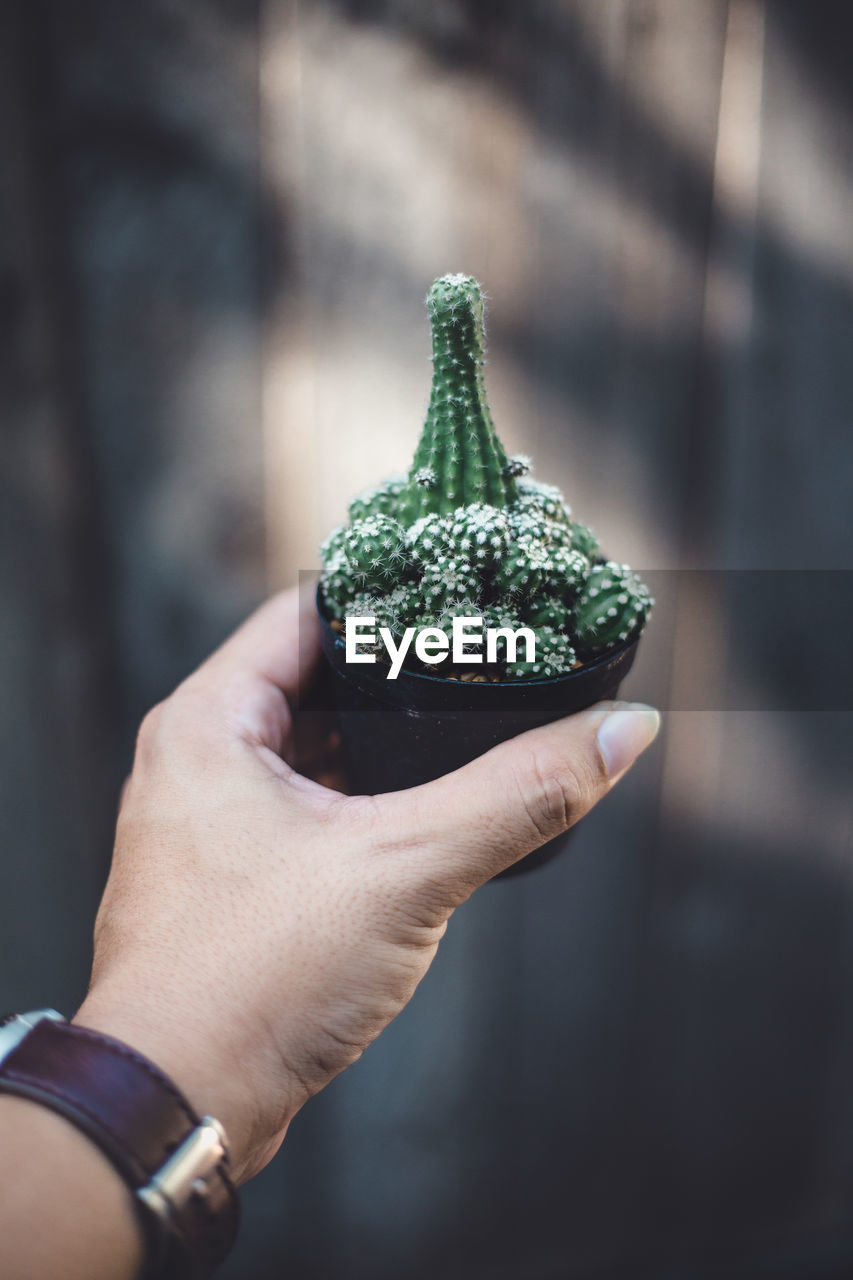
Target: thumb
pixel 474 822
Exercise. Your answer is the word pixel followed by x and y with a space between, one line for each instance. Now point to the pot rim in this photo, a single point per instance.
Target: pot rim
pixel 582 670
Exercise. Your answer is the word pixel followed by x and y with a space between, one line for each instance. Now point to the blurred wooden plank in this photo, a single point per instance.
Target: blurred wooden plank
pixel 131 498
pixel 691 774
pixel 159 154
pixel 746 1021
pixel 58 777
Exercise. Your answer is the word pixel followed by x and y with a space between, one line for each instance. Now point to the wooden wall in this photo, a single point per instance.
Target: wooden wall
pixel 219 223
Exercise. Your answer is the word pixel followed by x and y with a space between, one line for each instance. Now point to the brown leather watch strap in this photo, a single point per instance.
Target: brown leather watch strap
pixel 139 1119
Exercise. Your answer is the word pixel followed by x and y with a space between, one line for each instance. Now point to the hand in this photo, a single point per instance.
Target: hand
pixel 259 929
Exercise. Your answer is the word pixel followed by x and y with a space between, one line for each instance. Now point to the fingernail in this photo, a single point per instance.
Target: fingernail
pixel 625 733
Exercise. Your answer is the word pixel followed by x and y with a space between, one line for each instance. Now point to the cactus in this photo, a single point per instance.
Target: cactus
pixel 459 460
pixel 612 604
pixel 468 532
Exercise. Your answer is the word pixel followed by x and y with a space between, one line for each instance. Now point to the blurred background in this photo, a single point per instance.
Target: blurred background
pixel 219 221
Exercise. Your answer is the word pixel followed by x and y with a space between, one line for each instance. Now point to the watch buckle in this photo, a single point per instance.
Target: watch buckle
pixel 187 1171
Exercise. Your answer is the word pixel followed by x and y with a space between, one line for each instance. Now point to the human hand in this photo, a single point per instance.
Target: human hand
pixel 259 929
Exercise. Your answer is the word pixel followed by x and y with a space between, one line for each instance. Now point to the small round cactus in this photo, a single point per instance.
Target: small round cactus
pixel 468 532
pixel 374 550
pixel 381 500
pixel 614 603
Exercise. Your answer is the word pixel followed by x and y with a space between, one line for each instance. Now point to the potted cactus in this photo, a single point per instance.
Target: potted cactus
pixel 466 542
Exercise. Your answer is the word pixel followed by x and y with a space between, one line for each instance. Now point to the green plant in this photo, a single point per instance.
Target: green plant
pixel 468 532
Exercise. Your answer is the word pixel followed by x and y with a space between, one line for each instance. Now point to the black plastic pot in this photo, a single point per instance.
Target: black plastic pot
pixel 400 733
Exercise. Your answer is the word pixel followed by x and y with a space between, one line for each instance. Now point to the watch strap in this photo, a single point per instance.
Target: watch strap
pixel 173 1161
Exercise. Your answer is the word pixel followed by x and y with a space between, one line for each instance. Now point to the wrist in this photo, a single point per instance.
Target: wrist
pixel 207 1064
pixel 174 1162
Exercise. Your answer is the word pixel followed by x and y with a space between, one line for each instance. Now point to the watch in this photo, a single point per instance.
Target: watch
pixel 175 1163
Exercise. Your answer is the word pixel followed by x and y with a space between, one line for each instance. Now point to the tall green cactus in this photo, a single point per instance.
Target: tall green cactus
pixel 467 532
pixel 459 459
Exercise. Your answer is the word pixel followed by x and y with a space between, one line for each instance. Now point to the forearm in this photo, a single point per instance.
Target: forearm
pixel 64 1210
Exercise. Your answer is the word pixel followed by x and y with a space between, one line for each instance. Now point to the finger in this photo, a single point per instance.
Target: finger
pixel 280 641
pixel 472 823
pixel 269 661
